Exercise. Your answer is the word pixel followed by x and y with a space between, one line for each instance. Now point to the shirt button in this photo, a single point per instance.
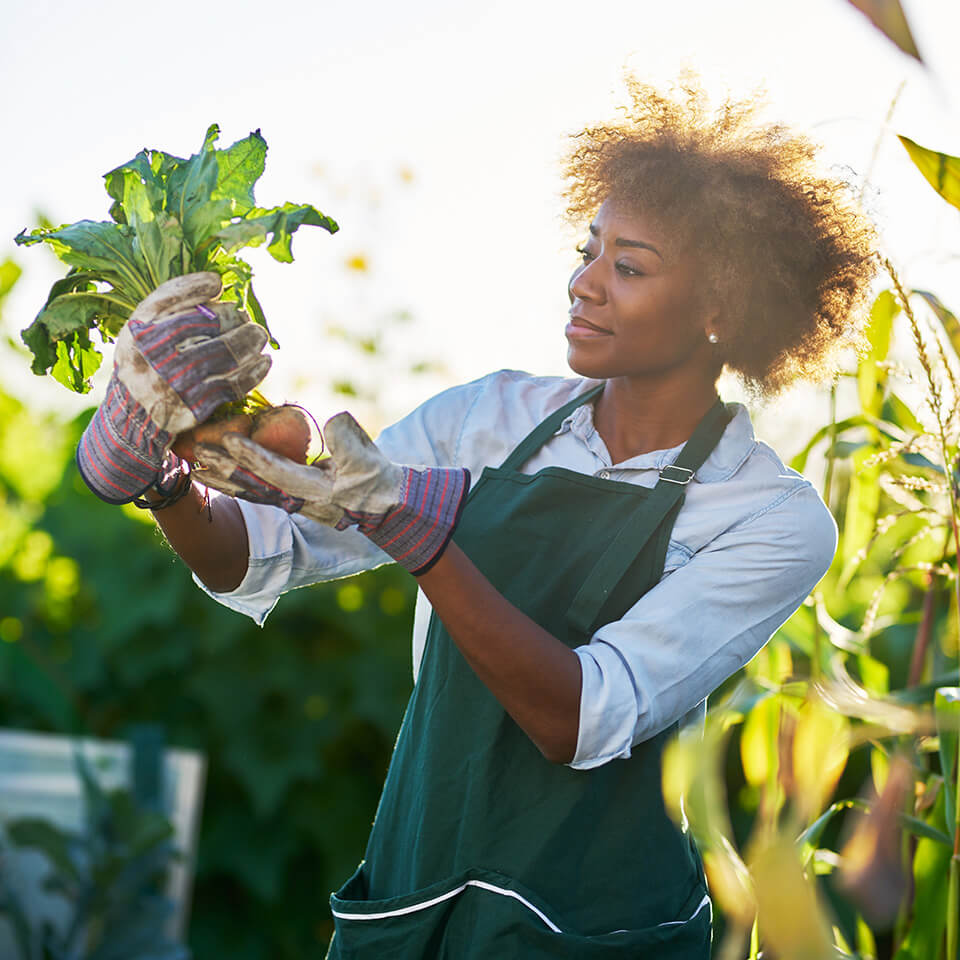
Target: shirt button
pixel 604 474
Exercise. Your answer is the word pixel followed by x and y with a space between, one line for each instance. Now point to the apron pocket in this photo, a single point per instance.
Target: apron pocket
pixel 481 914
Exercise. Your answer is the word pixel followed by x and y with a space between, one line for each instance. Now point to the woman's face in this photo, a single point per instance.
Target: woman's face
pixel 633 305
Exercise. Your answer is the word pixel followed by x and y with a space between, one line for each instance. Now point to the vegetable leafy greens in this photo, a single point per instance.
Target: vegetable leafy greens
pixel 170 216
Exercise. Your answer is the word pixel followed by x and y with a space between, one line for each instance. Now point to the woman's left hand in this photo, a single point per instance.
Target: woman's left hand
pixel 410 513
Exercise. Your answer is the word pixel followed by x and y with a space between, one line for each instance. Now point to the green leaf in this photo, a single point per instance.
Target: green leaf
pixel 238 169
pixel 278 223
pixel 888 17
pixel 101 247
pixel 9 274
pixel 871 377
pixel 799 462
pixel 940 169
pixel 72 312
pixel 171 216
pixel 77 361
pixel 863 501
pixel 237 276
pixel 931 863
pixel 189 198
pixel 54 843
pixel 75 281
pixel 946 704
pixel 59 337
pixel 44 349
pixel 140 197
pixel 898 413
pixel 947 319
pixel 137 188
pixel 921 828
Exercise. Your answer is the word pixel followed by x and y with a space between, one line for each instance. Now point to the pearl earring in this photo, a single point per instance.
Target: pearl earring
pixel 713 338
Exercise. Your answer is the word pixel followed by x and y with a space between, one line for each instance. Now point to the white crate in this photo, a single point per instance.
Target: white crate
pixel 38 778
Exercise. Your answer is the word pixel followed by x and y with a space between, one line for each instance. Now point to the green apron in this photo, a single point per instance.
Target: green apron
pixel 482 849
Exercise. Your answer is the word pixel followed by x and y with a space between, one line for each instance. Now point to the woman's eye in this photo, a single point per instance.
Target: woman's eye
pixel 629 271
pixel 585 254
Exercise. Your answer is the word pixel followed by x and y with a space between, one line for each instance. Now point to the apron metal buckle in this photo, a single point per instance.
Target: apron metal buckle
pixel 681 475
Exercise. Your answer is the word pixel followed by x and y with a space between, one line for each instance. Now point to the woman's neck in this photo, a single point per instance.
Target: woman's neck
pixel 636 416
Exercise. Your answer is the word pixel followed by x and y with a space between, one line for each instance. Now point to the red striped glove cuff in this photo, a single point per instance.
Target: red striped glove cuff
pixel 416 532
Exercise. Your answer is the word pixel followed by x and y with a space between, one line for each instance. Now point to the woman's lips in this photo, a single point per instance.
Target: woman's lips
pixel 579 328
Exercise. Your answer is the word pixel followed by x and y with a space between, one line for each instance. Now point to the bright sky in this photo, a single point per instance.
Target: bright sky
pixel 473 102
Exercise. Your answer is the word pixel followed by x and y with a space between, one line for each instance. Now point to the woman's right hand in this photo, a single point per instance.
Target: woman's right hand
pixel 178 358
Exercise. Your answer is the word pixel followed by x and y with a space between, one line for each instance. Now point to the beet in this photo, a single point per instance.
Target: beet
pixel 211 432
pixel 284 430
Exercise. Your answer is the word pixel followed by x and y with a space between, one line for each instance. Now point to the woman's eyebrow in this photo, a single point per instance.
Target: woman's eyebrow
pixel 624 242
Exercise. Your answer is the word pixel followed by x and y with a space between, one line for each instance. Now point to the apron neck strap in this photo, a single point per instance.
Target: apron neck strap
pixel 639 525
pixel 704 438
pixel 543 431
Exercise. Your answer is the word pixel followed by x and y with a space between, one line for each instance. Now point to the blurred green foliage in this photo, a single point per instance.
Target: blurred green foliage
pixel 101 627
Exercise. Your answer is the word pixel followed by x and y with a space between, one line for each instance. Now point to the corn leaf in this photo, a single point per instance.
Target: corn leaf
pixel 863 502
pixel 821 745
pixel 941 170
pixel 793 922
pixel 947 709
pixel 895 411
pixel 759 741
pixel 810 838
pixel 948 320
pixel 888 17
pixel 931 864
pixel 799 462
pixel 871 377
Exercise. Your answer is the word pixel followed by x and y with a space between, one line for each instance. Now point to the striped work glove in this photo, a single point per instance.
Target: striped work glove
pixel 177 359
pixel 409 512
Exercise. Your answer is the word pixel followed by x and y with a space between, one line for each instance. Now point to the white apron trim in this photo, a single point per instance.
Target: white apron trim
pixel 413 908
pixel 503 892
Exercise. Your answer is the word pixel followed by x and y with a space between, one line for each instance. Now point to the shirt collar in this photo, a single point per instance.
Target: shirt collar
pixel 728 455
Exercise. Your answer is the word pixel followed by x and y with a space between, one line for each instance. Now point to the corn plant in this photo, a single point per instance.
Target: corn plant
pixel 824 790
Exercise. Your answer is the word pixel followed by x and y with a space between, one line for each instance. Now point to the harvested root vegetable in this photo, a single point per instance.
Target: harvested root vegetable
pixel 211 432
pixel 284 430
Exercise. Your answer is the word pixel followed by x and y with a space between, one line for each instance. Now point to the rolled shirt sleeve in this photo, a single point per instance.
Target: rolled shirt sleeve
pixel 700 624
pixel 287 551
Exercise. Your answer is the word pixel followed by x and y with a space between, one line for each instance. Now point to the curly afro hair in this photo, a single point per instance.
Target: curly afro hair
pixel 786 253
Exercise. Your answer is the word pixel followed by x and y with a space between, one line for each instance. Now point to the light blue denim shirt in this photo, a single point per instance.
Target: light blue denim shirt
pixel 753 538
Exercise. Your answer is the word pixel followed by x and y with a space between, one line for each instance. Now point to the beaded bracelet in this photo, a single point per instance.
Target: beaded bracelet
pixel 180 489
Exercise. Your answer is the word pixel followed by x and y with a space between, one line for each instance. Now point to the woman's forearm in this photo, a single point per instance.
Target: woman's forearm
pixel 534 676
pixel 212 542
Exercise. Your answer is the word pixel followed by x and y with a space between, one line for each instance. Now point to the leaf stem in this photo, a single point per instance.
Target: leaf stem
pixel 922 639
pixel 119 301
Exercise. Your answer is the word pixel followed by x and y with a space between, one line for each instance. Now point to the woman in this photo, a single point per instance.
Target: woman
pixel 599 552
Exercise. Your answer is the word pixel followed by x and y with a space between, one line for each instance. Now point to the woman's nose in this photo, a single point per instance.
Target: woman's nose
pixel 585 283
